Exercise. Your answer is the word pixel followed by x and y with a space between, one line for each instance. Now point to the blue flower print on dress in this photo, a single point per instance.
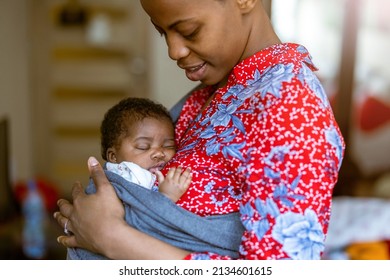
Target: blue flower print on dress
pixel 233 150
pixel 334 139
pixel 272 79
pixel 301 236
pixel 263 209
pixel 256 77
pixel 308 76
pixel 234 91
pixel 217 142
pixel 307 57
pixel 188 147
pixel 284 191
pixel 271 173
pixel 225 114
pixel 281 193
pixel 267 207
pixel 217 202
pixel 234 194
pixel 209 187
pixel 269 82
pixel 259 227
pixel 277 153
pixel 208 133
pixel 201 257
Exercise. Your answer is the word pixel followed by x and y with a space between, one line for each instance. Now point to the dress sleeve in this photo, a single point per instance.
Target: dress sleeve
pixel 294 152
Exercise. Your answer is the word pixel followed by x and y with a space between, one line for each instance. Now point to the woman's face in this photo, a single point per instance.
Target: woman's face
pixel 207 38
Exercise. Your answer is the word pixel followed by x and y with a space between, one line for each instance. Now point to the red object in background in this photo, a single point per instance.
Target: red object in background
pixel 372 114
pixel 48 191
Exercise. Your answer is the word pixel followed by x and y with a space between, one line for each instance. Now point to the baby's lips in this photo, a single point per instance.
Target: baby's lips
pixel 156 168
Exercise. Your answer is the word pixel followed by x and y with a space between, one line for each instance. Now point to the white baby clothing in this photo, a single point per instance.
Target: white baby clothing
pixel 133 173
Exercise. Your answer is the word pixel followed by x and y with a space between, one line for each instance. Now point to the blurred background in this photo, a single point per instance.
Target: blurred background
pixel 63 63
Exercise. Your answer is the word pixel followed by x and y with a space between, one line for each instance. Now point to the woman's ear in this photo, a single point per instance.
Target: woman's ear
pixel 246 5
pixel 111 156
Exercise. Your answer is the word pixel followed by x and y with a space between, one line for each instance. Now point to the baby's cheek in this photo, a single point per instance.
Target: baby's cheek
pixel 170 154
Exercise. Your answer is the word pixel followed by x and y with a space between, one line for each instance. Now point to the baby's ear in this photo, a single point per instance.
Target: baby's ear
pixel 246 5
pixel 111 156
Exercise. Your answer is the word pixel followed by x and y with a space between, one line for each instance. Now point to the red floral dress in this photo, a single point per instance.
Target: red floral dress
pixel 267 146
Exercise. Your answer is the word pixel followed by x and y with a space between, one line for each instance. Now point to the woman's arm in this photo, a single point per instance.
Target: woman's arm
pixel 97 223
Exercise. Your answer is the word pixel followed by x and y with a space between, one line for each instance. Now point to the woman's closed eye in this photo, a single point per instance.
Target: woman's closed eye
pixel 190 35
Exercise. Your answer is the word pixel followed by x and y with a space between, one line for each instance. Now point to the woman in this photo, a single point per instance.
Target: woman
pixel 259 137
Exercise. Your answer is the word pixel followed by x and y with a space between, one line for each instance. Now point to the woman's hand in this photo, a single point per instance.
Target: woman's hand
pixel 92 217
pixel 96 222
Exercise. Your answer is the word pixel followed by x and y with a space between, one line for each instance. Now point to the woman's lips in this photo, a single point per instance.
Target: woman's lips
pixel 196 73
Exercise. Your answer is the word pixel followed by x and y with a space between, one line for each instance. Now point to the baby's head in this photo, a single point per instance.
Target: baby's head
pixel 138 130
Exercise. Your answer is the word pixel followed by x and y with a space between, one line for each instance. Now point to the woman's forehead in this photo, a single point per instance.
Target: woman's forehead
pixel 168 13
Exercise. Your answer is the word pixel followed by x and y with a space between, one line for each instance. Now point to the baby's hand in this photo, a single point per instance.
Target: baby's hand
pixel 175 183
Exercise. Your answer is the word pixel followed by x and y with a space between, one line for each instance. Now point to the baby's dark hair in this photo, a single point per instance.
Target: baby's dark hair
pixel 127 112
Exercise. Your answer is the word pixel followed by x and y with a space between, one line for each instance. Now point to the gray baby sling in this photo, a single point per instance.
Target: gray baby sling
pixel 153 213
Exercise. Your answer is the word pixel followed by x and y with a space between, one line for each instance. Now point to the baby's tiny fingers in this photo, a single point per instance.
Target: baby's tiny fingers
pixel 186 178
pixel 171 172
pixel 159 175
pixel 187 172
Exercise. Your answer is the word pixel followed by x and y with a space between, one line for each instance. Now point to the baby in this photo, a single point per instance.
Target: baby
pixel 137 140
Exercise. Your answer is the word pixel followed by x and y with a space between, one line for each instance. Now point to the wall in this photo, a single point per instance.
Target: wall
pixel 14 83
pixel 16 89
pixel 168 81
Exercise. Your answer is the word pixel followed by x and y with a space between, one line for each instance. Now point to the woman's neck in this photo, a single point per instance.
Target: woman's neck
pixel 262 34
pixel 211 97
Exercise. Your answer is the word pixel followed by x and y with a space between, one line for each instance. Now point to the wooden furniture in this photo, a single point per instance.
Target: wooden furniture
pixel 87 55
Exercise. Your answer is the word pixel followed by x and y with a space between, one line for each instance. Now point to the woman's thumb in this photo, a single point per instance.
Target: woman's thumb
pixel 97 174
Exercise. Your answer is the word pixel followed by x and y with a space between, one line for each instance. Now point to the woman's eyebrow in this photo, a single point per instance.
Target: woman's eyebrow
pixel 173 25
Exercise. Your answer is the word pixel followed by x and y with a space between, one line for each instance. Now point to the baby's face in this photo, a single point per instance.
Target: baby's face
pixel 151 144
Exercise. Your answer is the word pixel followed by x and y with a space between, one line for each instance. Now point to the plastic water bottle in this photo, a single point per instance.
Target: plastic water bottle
pixel 34 211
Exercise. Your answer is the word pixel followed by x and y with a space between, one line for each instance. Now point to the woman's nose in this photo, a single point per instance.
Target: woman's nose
pixel 177 48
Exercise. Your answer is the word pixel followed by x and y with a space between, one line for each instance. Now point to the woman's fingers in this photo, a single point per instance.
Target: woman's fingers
pixel 98 176
pixel 66 209
pixel 67 241
pixel 96 171
pixel 89 213
pixel 61 219
pixel 77 190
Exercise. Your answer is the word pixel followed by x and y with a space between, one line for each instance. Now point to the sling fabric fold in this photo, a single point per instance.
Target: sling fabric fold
pixel 153 213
